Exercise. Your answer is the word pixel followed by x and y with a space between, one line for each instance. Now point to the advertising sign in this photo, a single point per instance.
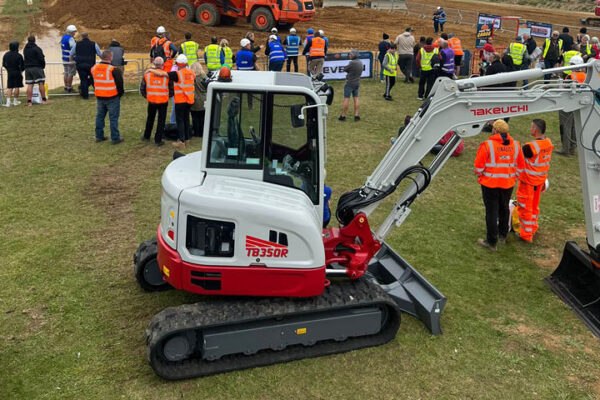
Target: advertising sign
pixel 540 29
pixel 524 29
pixel 489 19
pixel 333 67
pixel 484 31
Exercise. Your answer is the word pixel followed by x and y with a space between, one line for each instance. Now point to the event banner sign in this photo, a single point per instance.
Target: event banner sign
pixel 489 19
pixel 540 29
pixel 484 28
pixel 484 31
pixel 333 67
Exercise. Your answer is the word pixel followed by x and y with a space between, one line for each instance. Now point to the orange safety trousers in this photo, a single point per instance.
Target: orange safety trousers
pixel 528 208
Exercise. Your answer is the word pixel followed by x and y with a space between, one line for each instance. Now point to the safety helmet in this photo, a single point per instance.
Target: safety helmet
pixel 272 37
pixel 181 59
pixel 224 74
pixel 160 30
pixel 321 32
pixel 292 30
pixel 576 60
pixel 310 30
pixel 273 30
pixel 244 42
pixel 71 29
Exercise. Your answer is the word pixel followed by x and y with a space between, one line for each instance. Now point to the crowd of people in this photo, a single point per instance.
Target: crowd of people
pixel 177 75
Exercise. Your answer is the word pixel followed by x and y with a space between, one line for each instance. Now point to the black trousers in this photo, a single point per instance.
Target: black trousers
pixel 85 76
pixel 198 122
pixel 390 81
pixel 405 63
pixel 182 115
pixel 153 109
pixel 291 59
pixel 497 212
pixel 427 78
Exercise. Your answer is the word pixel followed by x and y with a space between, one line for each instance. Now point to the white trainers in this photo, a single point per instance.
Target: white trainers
pixel 16 102
pixel 7 103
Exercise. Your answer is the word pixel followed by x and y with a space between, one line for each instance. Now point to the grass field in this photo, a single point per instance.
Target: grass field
pixel 72 316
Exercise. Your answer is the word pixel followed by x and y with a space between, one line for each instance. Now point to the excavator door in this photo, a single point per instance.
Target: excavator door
pixel 577 282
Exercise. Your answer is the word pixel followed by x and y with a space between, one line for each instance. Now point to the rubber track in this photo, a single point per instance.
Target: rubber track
pixel 225 311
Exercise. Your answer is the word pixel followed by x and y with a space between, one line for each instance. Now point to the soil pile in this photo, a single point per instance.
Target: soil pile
pixel 134 22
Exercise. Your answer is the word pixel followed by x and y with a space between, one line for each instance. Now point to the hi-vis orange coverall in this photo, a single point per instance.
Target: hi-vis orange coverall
pixel 531 183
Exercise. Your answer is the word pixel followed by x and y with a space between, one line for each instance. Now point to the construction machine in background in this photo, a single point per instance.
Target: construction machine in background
pixel 593 21
pixel 241 221
pixel 263 14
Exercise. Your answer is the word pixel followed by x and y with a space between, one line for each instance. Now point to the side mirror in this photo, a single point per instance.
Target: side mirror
pixel 296 116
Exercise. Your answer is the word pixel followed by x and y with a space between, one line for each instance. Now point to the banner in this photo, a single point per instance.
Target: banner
pixel 489 19
pixel 333 67
pixel 524 29
pixel 484 31
pixel 540 29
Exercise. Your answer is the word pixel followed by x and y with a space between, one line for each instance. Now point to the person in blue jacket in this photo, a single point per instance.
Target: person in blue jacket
pixel 276 54
pixel 439 19
pixel 292 48
pixel 326 209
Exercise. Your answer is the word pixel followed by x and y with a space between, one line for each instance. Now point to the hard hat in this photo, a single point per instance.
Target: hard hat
pixel 292 30
pixel 160 30
pixel 321 32
pixel 224 74
pixel 244 42
pixel 310 30
pixel 272 37
pixel 273 30
pixel 576 60
pixel 181 59
pixel 71 29
pixel 546 185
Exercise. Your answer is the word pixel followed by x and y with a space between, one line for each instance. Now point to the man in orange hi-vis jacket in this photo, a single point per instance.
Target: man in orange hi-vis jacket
pixel 496 164
pixel 532 179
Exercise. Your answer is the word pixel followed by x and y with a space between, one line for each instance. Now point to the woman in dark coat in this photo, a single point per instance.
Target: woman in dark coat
pixel 14 65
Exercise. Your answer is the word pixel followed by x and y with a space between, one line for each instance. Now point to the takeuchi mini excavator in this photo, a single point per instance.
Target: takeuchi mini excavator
pixel 263 14
pixel 241 221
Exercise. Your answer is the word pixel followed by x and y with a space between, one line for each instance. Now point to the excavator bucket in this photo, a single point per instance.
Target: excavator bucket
pixel 409 289
pixel 577 282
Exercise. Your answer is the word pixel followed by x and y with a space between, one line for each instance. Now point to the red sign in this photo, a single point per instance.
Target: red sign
pixel 262 248
pixel 499 110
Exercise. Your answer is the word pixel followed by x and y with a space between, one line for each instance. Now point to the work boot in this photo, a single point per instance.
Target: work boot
pixel 144 138
pixel 484 243
pixel 502 240
pixel 523 240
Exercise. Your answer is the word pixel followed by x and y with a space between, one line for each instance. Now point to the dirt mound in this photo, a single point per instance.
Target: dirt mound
pixel 133 23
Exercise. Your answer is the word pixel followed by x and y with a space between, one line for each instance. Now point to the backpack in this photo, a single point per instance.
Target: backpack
pixel 158 50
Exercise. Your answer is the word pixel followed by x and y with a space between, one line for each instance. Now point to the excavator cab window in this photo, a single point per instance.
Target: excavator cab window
pixel 235 133
pixel 292 152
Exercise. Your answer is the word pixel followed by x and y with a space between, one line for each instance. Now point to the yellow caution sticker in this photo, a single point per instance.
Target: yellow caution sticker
pixel 300 331
pixel 172 214
pixel 166 271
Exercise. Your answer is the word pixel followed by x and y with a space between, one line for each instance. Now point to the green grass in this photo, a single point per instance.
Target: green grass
pixel 72 316
pixel 20 13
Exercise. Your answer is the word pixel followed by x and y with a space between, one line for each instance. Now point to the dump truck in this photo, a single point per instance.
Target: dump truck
pixel 262 14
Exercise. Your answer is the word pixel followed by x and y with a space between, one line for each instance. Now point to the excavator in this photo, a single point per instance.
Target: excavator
pixel 241 222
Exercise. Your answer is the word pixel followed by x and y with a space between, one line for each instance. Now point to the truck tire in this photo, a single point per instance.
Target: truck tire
pixel 145 267
pixel 184 11
pixel 262 19
pixel 208 14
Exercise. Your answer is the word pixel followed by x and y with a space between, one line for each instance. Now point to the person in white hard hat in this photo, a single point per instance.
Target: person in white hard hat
pixel 324 37
pixel 292 48
pixel 245 59
pixel 439 19
pixel 160 33
pixel 67 44
pixel 273 33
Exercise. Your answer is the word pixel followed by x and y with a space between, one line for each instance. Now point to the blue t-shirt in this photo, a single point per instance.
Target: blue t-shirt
pixel 326 210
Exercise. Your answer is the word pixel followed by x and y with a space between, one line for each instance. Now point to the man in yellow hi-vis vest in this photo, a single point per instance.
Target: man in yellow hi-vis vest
pixel 212 55
pixel 190 49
